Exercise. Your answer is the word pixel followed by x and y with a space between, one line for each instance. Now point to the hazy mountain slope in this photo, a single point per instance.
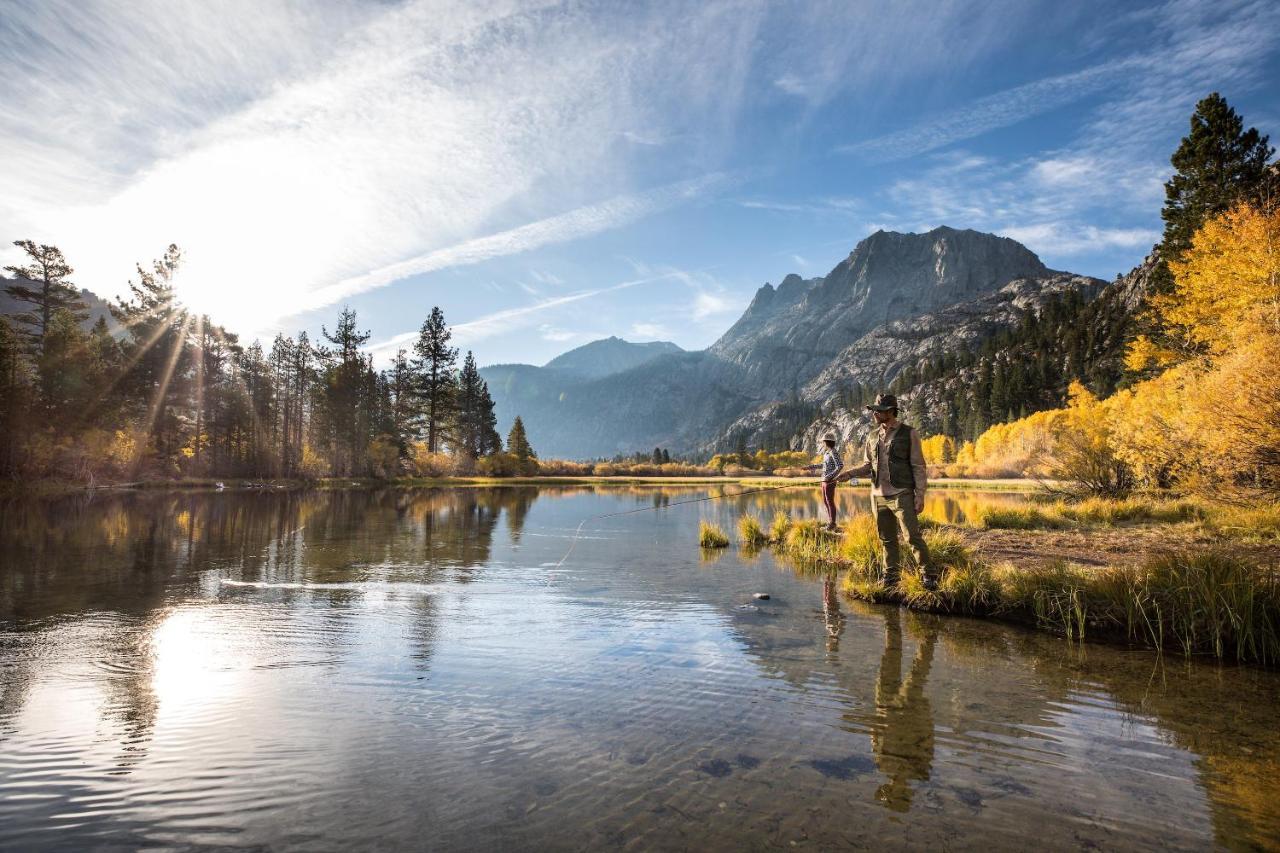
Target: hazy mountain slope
pixel 97 306
pixel 610 355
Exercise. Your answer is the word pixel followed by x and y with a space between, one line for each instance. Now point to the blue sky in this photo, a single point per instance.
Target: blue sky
pixel 551 173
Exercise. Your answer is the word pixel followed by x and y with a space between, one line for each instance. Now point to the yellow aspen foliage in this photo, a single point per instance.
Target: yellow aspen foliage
pixel 1144 353
pixel 938 449
pixel 1227 285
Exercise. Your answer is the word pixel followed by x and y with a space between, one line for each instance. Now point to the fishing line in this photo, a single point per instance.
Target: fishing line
pixel 578 532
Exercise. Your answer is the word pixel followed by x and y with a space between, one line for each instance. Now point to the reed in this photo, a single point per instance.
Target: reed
pixel 1211 602
pixel 711 536
pixel 750 533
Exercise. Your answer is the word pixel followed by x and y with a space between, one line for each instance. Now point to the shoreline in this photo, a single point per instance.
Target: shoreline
pixel 57 488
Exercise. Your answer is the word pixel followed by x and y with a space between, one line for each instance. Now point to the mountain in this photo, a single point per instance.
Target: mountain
pixel 896 304
pixel 609 355
pixel 97 306
pixel 788 335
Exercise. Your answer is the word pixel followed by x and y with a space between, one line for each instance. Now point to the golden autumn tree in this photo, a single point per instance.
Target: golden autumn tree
pixel 1215 416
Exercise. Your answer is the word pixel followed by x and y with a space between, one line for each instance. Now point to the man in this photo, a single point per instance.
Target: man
pixel 831 467
pixel 893 459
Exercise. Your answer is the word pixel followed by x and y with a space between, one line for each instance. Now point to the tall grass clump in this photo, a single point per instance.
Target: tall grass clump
pixel 779 526
pixel 1056 595
pixel 995 517
pixel 750 533
pixel 1211 602
pixel 1255 523
pixel 860 543
pixel 1097 511
pixel 808 540
pixel 711 536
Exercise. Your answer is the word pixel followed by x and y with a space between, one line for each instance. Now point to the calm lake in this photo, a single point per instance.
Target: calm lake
pixel 411 669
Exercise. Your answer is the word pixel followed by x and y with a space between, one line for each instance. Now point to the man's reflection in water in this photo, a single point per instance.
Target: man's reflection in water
pixel 831 614
pixel 902 733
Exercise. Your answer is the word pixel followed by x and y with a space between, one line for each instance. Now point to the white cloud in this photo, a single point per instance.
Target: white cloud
pixel 554 333
pixel 1066 239
pixel 799 261
pixel 650 331
pixel 708 304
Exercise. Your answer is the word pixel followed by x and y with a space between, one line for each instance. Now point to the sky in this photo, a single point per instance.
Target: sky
pixel 553 173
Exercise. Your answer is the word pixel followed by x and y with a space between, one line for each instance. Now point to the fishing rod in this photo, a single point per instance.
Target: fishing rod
pixel 578 532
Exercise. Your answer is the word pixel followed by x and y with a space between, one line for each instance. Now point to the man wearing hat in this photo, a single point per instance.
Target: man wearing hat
pixel 893 459
pixel 831 467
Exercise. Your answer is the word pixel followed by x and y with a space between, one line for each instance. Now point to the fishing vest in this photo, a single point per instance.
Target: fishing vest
pixel 901 475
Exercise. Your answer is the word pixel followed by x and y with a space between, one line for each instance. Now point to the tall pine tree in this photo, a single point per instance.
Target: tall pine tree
pixel 437 386
pixel 1218 164
pixel 52 292
pixel 346 402
pixel 159 354
pixel 475 430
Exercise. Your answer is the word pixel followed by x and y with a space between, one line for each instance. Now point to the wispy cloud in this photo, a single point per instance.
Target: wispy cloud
pixel 506 320
pixel 986 114
pixel 300 154
pixel 574 224
pixel 1064 239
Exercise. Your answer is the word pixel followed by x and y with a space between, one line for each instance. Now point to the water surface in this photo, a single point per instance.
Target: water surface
pixel 415 668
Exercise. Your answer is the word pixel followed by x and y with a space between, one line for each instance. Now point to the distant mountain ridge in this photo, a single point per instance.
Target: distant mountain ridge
pixel 609 355
pixel 895 299
pixel 98 307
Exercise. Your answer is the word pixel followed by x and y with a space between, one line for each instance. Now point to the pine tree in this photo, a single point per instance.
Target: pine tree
pixel 475 427
pixel 1217 164
pixel 403 400
pixel 159 352
pixel 345 393
pixel 518 446
pixel 49 271
pixel 437 386
pixel 13 399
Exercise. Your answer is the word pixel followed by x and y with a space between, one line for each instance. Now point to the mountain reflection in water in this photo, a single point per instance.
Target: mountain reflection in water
pixel 410 667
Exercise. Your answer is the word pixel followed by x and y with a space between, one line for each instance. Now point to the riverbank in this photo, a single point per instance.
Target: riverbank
pixel 1186 586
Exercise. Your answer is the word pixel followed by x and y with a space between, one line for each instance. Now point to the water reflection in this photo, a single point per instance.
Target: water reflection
pixel 316 669
pixel 902 733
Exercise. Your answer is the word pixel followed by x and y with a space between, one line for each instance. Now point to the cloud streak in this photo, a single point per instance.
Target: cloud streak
pixel 574 224
pixel 499 322
pixel 994 111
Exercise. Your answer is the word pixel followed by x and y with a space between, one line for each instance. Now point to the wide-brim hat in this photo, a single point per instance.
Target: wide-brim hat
pixel 831 436
pixel 883 403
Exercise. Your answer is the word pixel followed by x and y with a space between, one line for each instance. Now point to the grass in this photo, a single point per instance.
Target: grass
pixel 750 533
pixel 711 536
pixel 1208 602
pixel 779 526
pixel 1245 523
